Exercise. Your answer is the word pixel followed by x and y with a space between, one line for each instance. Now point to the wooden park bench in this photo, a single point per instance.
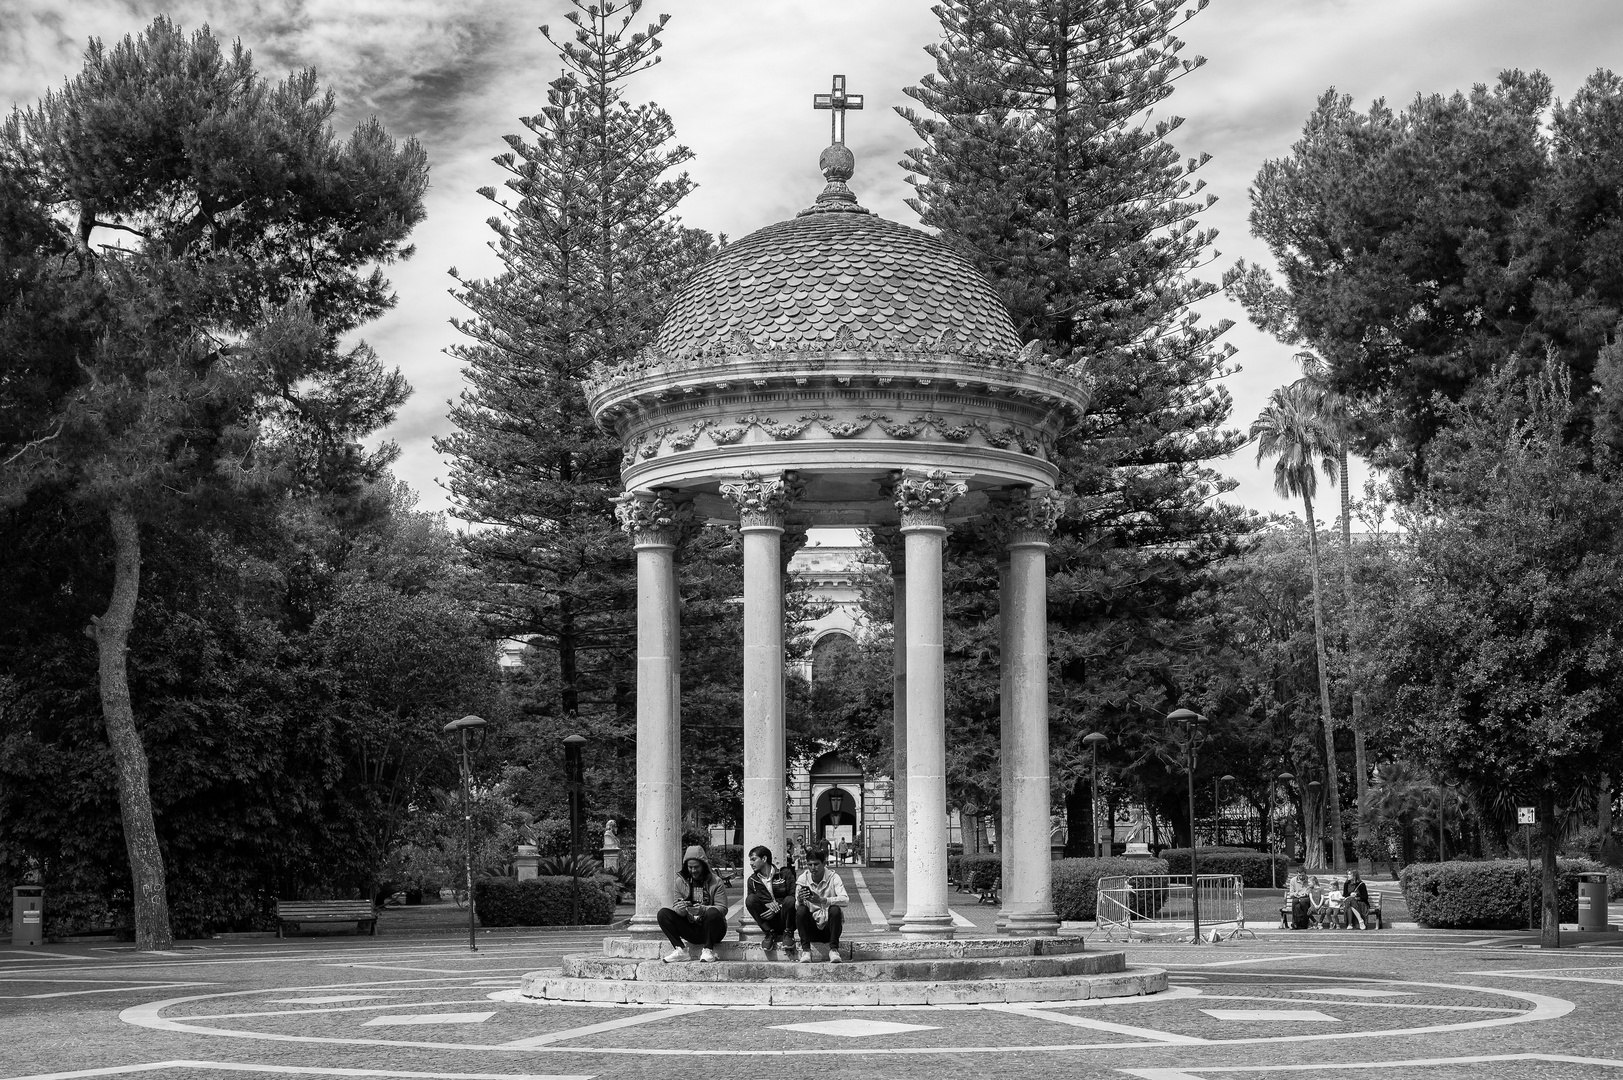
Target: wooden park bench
pixel 297 913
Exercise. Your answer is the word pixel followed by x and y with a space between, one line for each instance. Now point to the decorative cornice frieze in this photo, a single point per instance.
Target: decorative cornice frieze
pixel 923 498
pixel 762 501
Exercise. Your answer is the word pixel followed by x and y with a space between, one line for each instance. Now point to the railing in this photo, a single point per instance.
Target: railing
pixel 1163 906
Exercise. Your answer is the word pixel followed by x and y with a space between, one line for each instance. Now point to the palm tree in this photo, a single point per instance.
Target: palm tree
pixel 1337 413
pixel 1293 430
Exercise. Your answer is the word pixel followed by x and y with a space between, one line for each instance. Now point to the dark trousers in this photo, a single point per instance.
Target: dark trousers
pixel 773 926
pixel 809 930
pixel 707 930
pixel 1299 909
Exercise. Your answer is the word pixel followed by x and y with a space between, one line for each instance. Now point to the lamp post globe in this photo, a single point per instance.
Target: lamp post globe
pixel 462 727
pixel 1093 740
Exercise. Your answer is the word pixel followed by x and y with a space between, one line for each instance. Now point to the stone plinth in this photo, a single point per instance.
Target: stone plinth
pixel 906 972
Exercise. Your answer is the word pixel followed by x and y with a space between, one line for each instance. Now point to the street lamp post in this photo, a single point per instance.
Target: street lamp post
pixel 1093 740
pixel 1273 808
pixel 462 727
pixel 1192 720
pixel 1217 806
pixel 1313 787
pixel 575 785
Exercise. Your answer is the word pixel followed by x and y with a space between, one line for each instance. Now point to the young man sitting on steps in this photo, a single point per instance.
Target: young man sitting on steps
pixel 820 900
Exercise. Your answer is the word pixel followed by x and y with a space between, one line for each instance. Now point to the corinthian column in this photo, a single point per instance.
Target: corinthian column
pixel 1028 895
pixel 762 503
pixel 651 520
pixel 923 499
pixel 893 544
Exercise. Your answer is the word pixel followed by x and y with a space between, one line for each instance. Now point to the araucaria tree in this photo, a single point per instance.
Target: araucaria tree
pixel 1041 164
pixel 590 252
pixel 1294 432
pixel 185 245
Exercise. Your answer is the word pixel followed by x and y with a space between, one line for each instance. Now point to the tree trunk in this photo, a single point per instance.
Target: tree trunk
pixel 1332 788
pixel 111 633
pixel 1550 829
pixel 1312 833
pixel 1360 758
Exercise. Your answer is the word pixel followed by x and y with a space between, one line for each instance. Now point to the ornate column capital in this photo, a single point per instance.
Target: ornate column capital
pixel 889 542
pixel 923 498
pixel 652 518
pixel 1025 518
pixel 763 501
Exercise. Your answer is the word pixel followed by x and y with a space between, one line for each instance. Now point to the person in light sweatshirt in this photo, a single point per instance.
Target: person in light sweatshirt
pixel 820 901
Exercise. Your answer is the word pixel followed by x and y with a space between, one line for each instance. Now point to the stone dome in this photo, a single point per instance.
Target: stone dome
pixel 798 283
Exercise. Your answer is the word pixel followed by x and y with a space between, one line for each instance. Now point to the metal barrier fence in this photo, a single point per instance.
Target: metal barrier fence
pixel 1163 905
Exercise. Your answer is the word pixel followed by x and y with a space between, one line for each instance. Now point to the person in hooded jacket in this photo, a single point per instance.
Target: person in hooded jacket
pixel 699 913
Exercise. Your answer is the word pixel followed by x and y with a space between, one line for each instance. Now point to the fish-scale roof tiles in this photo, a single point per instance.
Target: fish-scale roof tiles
pixel 796 284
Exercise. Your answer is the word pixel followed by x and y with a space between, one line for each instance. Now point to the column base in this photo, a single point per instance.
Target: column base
pixel 926 926
pixel 645 925
pixel 1031 924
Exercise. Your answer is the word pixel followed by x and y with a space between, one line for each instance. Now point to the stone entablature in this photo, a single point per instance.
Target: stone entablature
pixel 827 414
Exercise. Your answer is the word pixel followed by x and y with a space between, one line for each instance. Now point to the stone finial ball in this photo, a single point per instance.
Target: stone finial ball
pixel 837 163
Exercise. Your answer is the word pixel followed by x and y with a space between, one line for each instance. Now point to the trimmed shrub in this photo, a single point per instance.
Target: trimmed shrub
pixel 1251 867
pixel 1076 882
pixel 980 872
pixel 542 901
pixel 1486 895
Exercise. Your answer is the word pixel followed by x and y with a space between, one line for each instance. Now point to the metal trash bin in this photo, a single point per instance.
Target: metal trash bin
pixel 1592 902
pixel 28 914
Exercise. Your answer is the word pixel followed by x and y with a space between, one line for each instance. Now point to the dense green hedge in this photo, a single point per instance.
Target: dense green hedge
pixel 1076 881
pixel 1487 895
pixel 542 901
pixel 1250 866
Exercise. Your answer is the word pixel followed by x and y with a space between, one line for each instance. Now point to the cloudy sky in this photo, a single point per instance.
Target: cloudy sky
pixel 737 78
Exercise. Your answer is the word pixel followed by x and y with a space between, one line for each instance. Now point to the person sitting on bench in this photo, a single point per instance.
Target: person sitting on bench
pixel 1298 899
pixel 769 897
pixel 819 901
pixel 1356 902
pixel 699 914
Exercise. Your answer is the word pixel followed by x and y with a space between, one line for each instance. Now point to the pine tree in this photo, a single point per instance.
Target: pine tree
pixel 1039 162
pixel 209 239
pixel 590 251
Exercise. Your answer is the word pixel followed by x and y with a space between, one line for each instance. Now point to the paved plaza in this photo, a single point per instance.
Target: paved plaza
pixel 1397 1003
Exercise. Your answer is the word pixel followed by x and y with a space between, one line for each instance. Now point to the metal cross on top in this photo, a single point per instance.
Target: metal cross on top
pixel 837 100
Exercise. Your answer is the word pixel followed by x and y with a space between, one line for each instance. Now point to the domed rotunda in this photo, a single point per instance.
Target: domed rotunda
pixel 841 369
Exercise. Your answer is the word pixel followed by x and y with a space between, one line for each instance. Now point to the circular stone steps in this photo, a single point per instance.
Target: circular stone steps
pixel 895 972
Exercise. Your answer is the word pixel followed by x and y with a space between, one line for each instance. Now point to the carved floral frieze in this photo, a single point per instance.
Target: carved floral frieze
pixel 721 433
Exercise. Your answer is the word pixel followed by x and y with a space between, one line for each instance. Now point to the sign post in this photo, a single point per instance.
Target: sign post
pixel 1525 817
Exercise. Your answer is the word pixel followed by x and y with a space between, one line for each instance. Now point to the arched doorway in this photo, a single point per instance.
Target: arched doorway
pixel 837 802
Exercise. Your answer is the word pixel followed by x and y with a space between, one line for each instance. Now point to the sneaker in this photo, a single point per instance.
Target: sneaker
pixel 708 956
pixel 676 956
pixel 834 956
pixel 805 956
pixel 770 944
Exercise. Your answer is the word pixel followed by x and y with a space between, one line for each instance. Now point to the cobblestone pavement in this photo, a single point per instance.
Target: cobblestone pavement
pixel 1389 1004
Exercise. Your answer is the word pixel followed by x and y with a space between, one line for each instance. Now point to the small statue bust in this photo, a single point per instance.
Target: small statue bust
pixel 611 834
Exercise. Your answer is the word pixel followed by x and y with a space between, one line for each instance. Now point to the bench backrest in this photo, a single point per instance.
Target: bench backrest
pixel 358 909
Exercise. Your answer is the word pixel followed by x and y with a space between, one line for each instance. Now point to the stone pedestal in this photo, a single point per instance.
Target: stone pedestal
pixel 526 862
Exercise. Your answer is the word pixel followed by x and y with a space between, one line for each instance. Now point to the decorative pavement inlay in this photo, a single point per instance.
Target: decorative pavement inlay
pixel 430 1018
pixel 1270 1015
pixel 1354 991
pixel 854 1029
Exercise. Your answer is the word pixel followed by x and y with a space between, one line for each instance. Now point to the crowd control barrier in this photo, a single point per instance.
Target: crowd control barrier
pixel 1147 906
